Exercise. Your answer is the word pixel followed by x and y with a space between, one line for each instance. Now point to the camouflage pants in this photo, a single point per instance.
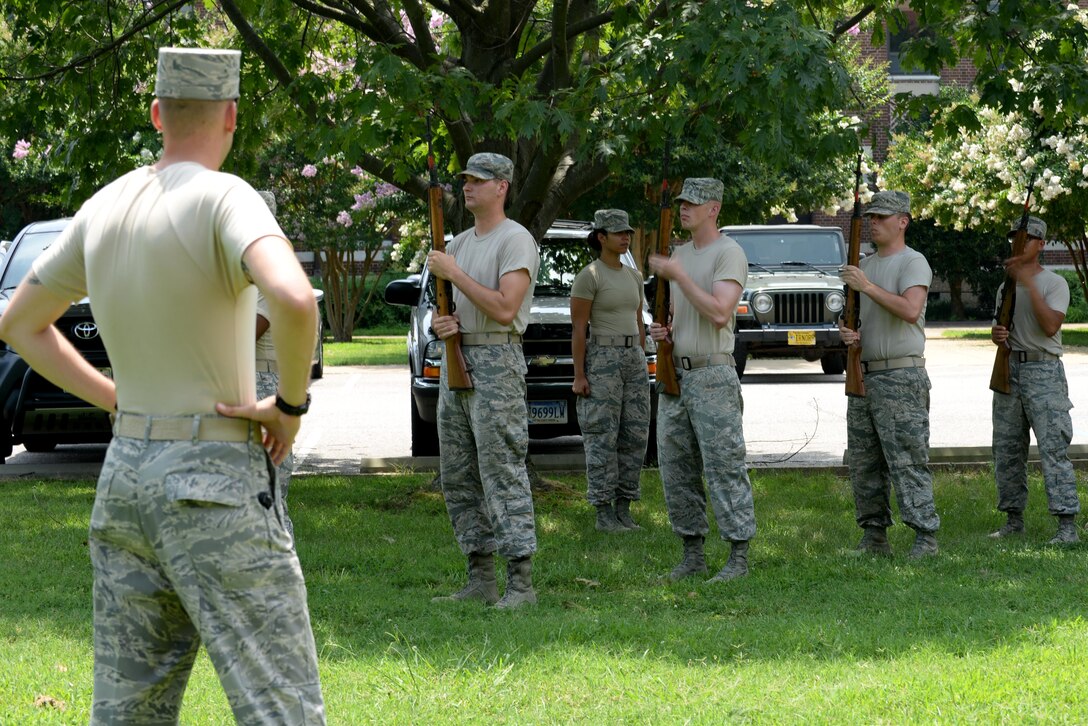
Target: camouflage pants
pixel 615 422
pixel 267 385
pixel 887 434
pixel 700 431
pixel 483 438
pixel 1040 401
pixel 184 551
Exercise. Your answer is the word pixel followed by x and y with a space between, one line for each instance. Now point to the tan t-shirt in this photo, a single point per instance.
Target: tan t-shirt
pixel 721 260
pixel 159 253
pixel 616 294
pixel 1026 333
pixel 506 248
pixel 266 350
pixel 883 335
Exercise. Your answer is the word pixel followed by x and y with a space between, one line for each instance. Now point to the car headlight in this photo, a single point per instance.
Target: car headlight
pixel 835 301
pixel 762 302
pixel 434 350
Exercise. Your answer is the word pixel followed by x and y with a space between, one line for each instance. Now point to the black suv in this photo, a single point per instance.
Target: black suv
pixel 35 413
pixel 794 295
pixel 546 343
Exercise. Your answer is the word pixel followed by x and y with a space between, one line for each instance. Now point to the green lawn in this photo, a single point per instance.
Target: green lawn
pixel 367 351
pixel 1070 336
pixel 988 632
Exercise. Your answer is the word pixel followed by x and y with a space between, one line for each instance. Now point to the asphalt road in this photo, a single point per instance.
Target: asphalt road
pixel 793 413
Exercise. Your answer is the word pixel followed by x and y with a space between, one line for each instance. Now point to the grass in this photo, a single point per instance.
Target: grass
pixel 1077 337
pixel 987 632
pixel 367 351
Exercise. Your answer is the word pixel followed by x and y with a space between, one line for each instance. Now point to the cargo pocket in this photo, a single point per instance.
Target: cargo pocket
pixel 100 510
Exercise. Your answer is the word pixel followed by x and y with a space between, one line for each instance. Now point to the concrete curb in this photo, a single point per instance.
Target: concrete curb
pixel 940 458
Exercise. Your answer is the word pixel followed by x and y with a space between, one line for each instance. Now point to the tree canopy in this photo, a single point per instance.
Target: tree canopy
pixel 572 90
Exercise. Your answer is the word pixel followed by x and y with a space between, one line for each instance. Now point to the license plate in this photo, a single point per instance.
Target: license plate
pixel 801 337
pixel 547 412
pixel 107 372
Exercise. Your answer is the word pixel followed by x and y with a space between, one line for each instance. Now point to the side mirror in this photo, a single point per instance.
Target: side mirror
pixel 403 292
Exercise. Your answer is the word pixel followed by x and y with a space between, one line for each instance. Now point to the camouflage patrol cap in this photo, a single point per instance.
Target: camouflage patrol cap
pixel 269 199
pixel 199 74
pixel 1036 228
pixel 489 166
pixel 700 190
pixel 612 220
pixel 887 203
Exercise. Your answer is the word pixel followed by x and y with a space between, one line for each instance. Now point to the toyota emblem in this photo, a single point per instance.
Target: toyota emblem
pixel 85 331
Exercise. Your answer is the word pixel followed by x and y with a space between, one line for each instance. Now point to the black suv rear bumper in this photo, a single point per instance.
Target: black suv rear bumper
pixel 542 394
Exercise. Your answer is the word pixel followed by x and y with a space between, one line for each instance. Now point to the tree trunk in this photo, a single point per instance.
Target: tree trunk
pixel 955 294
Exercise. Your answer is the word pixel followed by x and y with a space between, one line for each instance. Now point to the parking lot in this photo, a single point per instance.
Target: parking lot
pixel 794 415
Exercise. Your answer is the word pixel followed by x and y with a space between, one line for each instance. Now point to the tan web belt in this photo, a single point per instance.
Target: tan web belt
pixel 911 361
pixel 1033 356
pixel 690 363
pixel 267 366
pixel 182 428
pixel 489 338
pixel 617 341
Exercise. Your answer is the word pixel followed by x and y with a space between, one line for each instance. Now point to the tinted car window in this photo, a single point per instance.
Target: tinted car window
pixel 561 260
pixel 24 255
pixel 815 248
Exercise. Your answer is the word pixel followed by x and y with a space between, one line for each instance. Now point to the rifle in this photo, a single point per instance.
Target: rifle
pixel 855 379
pixel 999 378
pixel 666 368
pixel 457 377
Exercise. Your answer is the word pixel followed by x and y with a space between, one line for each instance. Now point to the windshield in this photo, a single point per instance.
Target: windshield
pixel 23 256
pixel 820 249
pixel 561 260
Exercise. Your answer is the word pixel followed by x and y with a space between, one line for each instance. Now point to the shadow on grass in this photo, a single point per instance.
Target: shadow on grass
pixel 377 549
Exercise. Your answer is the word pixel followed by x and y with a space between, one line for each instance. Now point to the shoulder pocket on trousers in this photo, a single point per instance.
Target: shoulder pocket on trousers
pixel 204 489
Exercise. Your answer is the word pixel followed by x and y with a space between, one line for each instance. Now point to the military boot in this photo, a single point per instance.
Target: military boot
pixel 606 519
pixel 925 545
pixel 519 585
pixel 1067 531
pixel 874 542
pixel 623 514
pixel 1014 524
pixel 481 581
pixel 736 566
pixel 694 561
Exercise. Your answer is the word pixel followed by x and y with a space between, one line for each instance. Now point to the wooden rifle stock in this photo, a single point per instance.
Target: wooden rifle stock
pixel 999 377
pixel 666 367
pixel 855 378
pixel 457 377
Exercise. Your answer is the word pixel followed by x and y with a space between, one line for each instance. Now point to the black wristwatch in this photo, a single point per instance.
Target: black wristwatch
pixel 292 410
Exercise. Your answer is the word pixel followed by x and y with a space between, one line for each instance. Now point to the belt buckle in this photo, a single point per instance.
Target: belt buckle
pixel 685 362
pixel 628 341
pixel 1021 356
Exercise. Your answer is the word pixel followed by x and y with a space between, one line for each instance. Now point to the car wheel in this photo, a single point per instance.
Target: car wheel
pixel 651 446
pixel 424 434
pixel 740 357
pixel 834 364
pixel 40 446
pixel 317 372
